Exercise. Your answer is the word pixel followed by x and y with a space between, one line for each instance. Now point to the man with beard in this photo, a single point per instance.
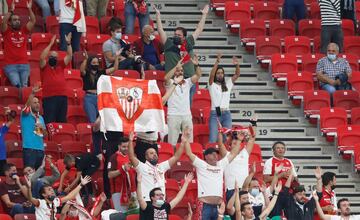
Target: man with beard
pixel 17 67
pixel 328 200
pixel 344 208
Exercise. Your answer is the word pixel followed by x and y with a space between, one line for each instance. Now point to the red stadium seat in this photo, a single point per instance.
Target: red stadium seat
pixel 133 217
pixel 201 99
pixel 34 58
pixel 355 80
pixel 236 12
pixel 14 149
pixel 17 108
pixel 104 28
pixel 201 133
pixel 347 26
pixel 297 83
pixel 316 44
pixel 180 169
pixel 5 217
pixel 74 147
pixel 14 133
pixel 130 38
pixel 282 28
pixel 191 191
pixel 330 119
pixel 159 76
pixel 59 132
pixel 25 93
pixel 52 24
pixel 39 25
pixel 309 62
pixel 166 151
pixel 266 10
pixel 174 217
pixel 73 79
pixel 201 115
pixel 346 99
pixel 9 95
pixel 196 148
pixel 249 30
pixel 35 76
pixel 41 40
pixel 355 116
pixel 127 73
pixel 172 189
pixel 96 41
pixel 357 157
pixel 281 64
pixel 92 25
pixel 352 45
pixel 313 102
pixel 75 97
pixel 297 45
pixel 181 208
pixel 218 7
pixel 18 162
pixel 353 60
pixel 347 137
pixel 84 132
pixel 310 27
pixel 266 46
pixel 52 148
pixel 76 115
pixel 315 11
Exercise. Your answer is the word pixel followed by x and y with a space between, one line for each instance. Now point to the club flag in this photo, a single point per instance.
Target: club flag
pixel 127 104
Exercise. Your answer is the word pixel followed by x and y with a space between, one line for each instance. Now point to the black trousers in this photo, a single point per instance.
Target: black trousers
pixel 331 34
pixel 55 109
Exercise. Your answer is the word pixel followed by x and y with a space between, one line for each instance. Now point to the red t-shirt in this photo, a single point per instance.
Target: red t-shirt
pixel 116 183
pixel 328 198
pixel 270 164
pixel 53 80
pixel 15 46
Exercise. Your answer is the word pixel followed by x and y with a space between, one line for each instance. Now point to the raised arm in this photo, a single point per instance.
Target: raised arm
pixel 180 150
pixel 98 208
pixel 74 182
pixel 169 91
pixel 69 51
pixel 201 24
pixel 236 148
pixel 318 173
pixel 270 207
pixel 160 29
pixel 4 24
pixel 30 25
pixel 246 184
pixel 222 148
pixel 319 208
pixel 132 156
pixel 84 64
pixel 238 215
pixel 195 78
pixel 188 178
pixel 45 52
pixel 214 68
pixel 221 210
pixel 34 201
pixel 140 198
pixel 74 192
pixel 55 174
pixel 188 151
pixel 230 204
pixel 237 69
pixel 169 75
pixel 62 177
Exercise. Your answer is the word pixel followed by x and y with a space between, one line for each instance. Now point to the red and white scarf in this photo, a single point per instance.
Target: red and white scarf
pixel 79 17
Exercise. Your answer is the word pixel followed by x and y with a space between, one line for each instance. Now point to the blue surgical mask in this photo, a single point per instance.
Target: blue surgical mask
pixel 160 202
pixel 151 37
pixel 331 57
pixel 254 192
pixel 118 36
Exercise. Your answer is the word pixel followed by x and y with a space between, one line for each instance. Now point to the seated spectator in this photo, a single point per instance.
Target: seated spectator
pixel 210 176
pixel 150 49
pixel 278 159
pixel 328 200
pixel 157 207
pixel 179 112
pixel 114 44
pixel 33 131
pixel 69 23
pixel 3 130
pixel 46 207
pixel 96 8
pixel 13 193
pixel 133 9
pixel 17 68
pixel 292 8
pixel 343 206
pixel 38 178
pixel 46 9
pixel 332 71
pixel 220 89
pixel 122 178
pixel 152 172
pixel 53 80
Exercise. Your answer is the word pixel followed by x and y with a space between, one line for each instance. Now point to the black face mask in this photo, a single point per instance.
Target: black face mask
pixel 51 198
pixel 177 40
pixel 154 161
pixel 52 61
pixel 333 187
pixel 94 67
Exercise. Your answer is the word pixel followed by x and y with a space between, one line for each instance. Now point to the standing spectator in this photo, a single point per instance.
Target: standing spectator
pixel 294 7
pixel 55 101
pixel 328 200
pixel 179 112
pixel 122 178
pixel 157 207
pixel 181 46
pixel 32 131
pixel 152 172
pixel 333 71
pixel 220 89
pixel 210 176
pixel 69 23
pixel 348 10
pixel 3 130
pixel 17 68
pixel 278 159
pixel 13 193
pixel 38 178
pixel 331 30
pixel 133 9
pixel 45 7
pixel 150 49
pixel 344 209
pixel 96 8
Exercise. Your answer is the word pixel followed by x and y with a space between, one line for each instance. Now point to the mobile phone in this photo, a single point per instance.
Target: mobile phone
pixel 218 111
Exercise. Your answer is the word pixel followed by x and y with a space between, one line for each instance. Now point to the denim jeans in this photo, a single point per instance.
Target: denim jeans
pixel 35 189
pixel 66 28
pixel 18 74
pixel 330 89
pixel 127 64
pixel 209 212
pixel 20 209
pixel 130 16
pixel 225 121
pixel 90 107
pixel 33 158
pixel 294 7
pixel 45 7
pixel 116 201
pixel 55 109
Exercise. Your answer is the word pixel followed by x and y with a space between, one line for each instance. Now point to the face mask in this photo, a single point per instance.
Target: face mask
pixel 94 67
pixel 52 61
pixel 51 198
pixel 333 187
pixel 154 161
pixel 176 40
pixel 254 192
pixel 118 36
pixel 30 176
pixel 12 175
pixel 331 57
pixel 151 37
pixel 160 202
pixel 73 213
pixel 301 203
pixel 16 26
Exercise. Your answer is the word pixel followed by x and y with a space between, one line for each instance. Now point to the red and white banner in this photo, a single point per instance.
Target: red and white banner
pixel 129 105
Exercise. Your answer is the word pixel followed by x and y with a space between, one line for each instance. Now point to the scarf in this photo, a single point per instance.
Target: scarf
pixel 79 17
pixel 140 7
pixel 78 204
pixel 126 178
pixel 184 53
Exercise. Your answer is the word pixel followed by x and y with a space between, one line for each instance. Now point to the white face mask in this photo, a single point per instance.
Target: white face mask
pixel 160 202
pixel 152 37
pixel 73 213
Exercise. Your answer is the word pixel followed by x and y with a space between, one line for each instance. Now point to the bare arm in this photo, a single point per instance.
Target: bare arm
pixel 230 205
pixel 188 178
pixel 30 25
pixel 160 29
pixel 169 75
pixel 111 70
pixel 238 215
pixel 318 173
pixel 245 186
pixel 325 79
pixel 62 177
pixel 188 151
pixel 98 208
pixel 270 207
pixel 74 182
pixel 113 174
pixel 140 198
pixel 201 24
pixel 45 52
pixel 319 209
pixel 74 192
pixel 237 69
pixel 34 201
pixel 7 16
pixel 169 91
pixel 69 51
pixel 84 64
pixel 23 188
pixel 177 154
pixel 222 148
pixel 215 67
pixel 6 200
pixel 195 78
pixel 235 150
pixel 132 156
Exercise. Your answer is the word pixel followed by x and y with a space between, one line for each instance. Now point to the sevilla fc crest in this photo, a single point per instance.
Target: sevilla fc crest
pixel 130 100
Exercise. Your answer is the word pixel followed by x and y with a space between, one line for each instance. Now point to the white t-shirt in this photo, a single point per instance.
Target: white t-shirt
pixel 238 169
pixel 43 211
pixel 152 177
pixel 259 200
pixel 210 178
pixel 67 13
pixel 179 101
pixel 218 97
pixel 352 217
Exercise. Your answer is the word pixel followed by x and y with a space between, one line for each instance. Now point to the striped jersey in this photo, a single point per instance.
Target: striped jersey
pixel 330 12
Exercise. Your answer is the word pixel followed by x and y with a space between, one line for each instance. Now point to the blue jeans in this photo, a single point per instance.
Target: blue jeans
pixel 45 7
pixel 290 8
pixel 33 158
pixel 330 89
pixel 66 28
pixel 90 107
pixel 35 189
pixel 19 209
pixel 225 121
pixel 127 64
pixel 130 16
pixel 209 212
pixel 18 74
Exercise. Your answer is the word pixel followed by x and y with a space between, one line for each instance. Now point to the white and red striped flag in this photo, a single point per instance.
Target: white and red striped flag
pixel 129 105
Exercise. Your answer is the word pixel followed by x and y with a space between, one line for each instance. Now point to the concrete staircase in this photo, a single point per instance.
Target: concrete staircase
pixel 255 93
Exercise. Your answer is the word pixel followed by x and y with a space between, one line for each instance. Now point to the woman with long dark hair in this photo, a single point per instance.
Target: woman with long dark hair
pixel 219 89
